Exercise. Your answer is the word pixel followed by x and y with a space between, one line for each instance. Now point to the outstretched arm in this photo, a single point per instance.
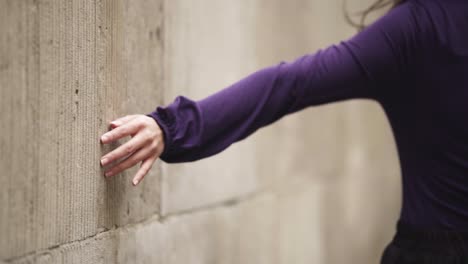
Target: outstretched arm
pixel 360 67
pixel 198 129
pixel 372 64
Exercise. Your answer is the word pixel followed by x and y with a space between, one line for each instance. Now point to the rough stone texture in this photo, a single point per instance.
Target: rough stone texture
pixel 69 67
pixel 240 232
pixel 297 191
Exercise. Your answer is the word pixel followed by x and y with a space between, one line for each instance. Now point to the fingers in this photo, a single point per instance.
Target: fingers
pixel 144 169
pixel 126 149
pixel 120 121
pixel 145 145
pixel 126 129
pixel 129 162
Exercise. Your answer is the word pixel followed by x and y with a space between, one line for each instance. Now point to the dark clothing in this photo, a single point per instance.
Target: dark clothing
pixel 415 246
pixel 413 61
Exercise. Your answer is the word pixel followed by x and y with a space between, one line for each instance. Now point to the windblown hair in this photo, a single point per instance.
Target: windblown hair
pixel 379 4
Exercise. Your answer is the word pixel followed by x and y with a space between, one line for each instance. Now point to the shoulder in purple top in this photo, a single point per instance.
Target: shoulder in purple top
pixel 413 61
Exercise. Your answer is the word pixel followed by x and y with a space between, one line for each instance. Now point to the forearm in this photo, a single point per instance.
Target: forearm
pixel 365 66
pixel 198 129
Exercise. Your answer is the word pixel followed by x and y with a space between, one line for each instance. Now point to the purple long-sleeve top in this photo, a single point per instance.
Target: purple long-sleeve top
pixel 413 61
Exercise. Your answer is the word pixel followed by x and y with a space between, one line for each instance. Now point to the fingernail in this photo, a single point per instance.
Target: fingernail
pixel 108 173
pixel 115 123
pixel 103 138
pixel 135 182
pixel 104 161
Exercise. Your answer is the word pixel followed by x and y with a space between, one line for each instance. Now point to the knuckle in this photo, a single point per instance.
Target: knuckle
pixel 128 149
pixel 148 141
pixel 151 135
pixel 122 131
pixel 146 137
pixel 109 157
pixel 154 146
pixel 144 122
pixel 139 122
pixel 110 135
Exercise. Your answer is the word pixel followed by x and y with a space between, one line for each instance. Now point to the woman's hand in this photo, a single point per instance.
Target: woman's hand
pixel 146 145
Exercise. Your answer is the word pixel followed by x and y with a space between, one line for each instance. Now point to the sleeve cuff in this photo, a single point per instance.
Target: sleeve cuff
pixel 167 124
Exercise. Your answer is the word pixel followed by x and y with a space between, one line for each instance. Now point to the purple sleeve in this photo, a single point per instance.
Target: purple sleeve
pixel 356 68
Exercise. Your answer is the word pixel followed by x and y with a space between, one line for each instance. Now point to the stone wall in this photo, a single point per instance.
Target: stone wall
pixel 318 186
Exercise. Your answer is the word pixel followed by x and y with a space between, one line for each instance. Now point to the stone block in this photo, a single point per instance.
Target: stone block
pixel 67 69
pixel 225 234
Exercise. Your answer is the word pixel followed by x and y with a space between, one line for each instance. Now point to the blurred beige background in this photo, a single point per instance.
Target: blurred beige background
pixel 318 186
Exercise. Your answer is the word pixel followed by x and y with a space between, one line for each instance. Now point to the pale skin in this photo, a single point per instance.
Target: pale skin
pixel 144 147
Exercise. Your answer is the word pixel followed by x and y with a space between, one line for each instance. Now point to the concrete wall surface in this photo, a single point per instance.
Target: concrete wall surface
pixel 318 186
